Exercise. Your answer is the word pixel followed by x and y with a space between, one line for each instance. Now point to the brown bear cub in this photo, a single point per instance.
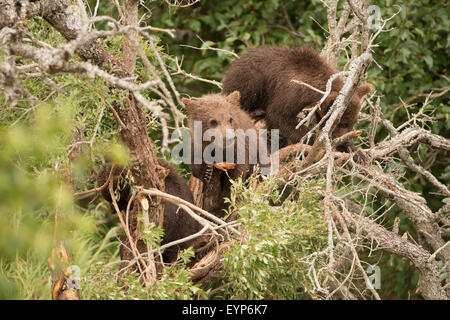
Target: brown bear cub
pixel 222 113
pixel 177 223
pixel 263 77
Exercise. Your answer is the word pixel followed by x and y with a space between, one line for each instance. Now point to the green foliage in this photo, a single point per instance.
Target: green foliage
pixel 25 278
pixel 37 208
pixel 278 235
pixel 413 57
pixel 414 54
pixel 100 279
pixel 101 282
pixel 235 26
pixel 34 197
pixel 27 189
pixel 35 138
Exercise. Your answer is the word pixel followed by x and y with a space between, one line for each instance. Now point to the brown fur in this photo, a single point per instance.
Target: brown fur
pixel 216 111
pixel 263 77
pixel 177 223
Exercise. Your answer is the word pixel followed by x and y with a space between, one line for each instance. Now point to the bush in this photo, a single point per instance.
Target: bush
pixel 267 262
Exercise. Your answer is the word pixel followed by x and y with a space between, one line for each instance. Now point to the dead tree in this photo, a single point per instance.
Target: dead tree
pixel 350 229
pixel 118 73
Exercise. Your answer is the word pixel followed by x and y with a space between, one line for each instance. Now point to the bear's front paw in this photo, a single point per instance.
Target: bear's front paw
pixel 208 173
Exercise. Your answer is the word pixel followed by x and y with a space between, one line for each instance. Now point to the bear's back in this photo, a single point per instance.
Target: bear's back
pixel 177 223
pixel 264 74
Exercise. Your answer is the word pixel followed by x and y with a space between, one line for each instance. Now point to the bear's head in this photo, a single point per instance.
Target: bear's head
pixel 350 116
pixel 218 112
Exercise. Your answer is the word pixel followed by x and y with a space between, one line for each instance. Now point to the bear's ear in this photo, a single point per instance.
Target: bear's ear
pixel 190 105
pixel 363 90
pixel 234 98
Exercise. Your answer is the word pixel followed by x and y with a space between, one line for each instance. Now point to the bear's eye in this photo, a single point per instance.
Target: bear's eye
pixel 231 120
pixel 213 123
